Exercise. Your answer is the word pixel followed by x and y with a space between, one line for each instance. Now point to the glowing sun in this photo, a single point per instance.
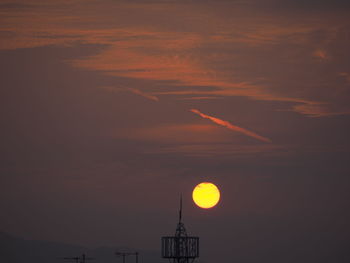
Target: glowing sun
pixel 206 195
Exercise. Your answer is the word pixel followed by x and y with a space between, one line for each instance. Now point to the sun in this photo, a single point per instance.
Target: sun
pixel 206 195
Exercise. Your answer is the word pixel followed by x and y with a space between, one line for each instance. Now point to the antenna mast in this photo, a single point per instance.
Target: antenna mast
pixel 180 248
pixel 180 212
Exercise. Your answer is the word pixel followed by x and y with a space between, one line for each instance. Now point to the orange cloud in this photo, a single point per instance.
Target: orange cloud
pixel 133 90
pixel 144 94
pixel 201 56
pixel 321 54
pixel 202 98
pixel 317 110
pixel 345 75
pixel 224 150
pixel 231 126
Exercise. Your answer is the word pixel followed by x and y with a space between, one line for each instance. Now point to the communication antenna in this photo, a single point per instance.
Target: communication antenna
pixel 125 254
pixel 180 248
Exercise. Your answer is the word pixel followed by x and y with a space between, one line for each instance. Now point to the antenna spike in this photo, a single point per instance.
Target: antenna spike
pixel 180 213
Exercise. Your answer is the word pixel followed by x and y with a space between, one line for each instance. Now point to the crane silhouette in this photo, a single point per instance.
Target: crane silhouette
pixel 80 259
pixel 125 254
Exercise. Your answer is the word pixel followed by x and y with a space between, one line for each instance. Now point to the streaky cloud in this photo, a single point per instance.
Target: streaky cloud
pixel 143 94
pixel 231 126
pixel 132 90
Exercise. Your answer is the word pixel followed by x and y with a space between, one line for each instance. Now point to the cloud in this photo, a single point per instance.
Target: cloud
pixel 202 98
pixel 345 75
pixel 235 54
pixel 144 94
pixel 317 110
pixel 231 126
pixel 132 90
pixel 173 135
pixel 224 150
pixel 320 53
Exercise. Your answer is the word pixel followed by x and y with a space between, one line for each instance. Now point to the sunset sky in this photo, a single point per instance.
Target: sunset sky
pixel 111 109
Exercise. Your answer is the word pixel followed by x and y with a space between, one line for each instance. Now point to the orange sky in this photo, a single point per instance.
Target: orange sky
pixel 113 105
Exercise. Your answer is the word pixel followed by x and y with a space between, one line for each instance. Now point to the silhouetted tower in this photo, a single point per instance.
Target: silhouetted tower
pixel 180 248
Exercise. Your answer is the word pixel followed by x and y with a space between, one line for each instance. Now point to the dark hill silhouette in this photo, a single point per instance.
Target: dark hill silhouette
pixel 17 250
